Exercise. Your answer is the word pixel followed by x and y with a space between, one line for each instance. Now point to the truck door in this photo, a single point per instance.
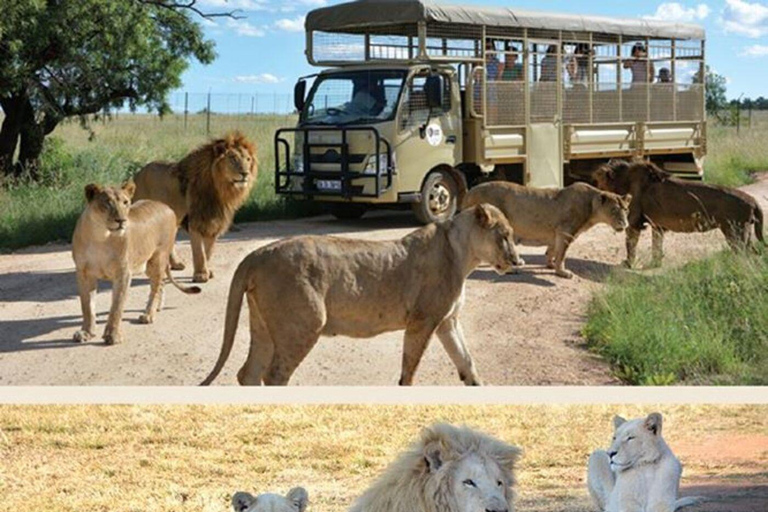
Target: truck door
pixel 544 134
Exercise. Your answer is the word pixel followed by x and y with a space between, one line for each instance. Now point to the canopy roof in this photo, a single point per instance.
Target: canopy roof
pixel 355 16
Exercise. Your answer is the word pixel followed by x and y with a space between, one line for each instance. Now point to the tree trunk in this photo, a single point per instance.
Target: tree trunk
pixel 33 134
pixel 9 132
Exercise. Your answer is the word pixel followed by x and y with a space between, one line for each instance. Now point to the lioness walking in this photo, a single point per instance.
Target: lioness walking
pixel 301 288
pixel 112 239
pixel 552 217
pixel 671 204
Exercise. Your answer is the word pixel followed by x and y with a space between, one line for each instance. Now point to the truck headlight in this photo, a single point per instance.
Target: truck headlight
pixel 298 163
pixel 370 167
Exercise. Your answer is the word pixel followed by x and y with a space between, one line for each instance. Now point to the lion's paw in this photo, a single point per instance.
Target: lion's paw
pixel 113 338
pixel 146 319
pixel 178 265
pixel 567 274
pixel 82 336
pixel 202 277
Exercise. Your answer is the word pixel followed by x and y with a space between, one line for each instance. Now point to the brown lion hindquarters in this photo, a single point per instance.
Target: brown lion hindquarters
pixel 159 181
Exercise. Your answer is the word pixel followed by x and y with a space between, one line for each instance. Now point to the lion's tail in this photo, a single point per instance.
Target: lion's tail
pixel 234 303
pixel 759 224
pixel 688 502
pixel 185 289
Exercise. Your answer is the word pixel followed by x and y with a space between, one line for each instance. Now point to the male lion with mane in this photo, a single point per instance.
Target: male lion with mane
pixel 449 469
pixel 552 217
pixel 295 501
pixel 672 204
pixel 112 239
pixel 307 286
pixel 204 189
pixel 639 472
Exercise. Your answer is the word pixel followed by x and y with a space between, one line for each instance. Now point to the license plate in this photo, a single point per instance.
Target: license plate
pixel 332 185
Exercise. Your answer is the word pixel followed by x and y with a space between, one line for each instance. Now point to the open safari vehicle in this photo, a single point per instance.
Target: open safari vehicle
pixel 420 100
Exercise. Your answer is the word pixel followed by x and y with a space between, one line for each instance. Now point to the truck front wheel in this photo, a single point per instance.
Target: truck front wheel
pixel 438 198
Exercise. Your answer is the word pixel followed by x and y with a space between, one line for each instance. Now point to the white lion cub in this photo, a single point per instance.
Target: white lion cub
pixel 295 501
pixel 639 473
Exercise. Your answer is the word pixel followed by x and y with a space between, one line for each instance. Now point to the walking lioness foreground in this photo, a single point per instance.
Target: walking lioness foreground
pixel 112 239
pixel 301 288
pixel 552 217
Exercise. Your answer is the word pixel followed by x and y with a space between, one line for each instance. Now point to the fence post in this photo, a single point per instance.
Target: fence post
pixel 186 109
pixel 252 106
pixel 208 116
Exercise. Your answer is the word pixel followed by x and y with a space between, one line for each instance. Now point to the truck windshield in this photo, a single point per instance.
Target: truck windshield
pixel 354 97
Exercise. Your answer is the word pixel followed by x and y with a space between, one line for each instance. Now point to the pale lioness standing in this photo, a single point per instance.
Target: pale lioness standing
pixel 301 288
pixel 639 472
pixel 112 239
pixel 552 217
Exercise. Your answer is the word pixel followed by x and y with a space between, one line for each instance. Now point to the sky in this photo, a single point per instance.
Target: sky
pixel 263 53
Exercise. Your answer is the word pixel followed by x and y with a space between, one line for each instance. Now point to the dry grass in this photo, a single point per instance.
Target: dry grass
pixel 176 458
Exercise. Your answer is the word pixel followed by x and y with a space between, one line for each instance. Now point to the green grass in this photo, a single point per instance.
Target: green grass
pixel 32 214
pixel 733 157
pixel 703 323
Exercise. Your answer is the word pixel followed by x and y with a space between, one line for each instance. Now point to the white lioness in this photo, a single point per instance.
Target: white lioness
pixel 552 217
pixel 112 239
pixel 639 473
pixel 301 288
pixel 295 501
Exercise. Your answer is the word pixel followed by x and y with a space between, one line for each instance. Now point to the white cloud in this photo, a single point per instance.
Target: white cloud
pixel 676 12
pixel 756 50
pixel 244 5
pixel 243 28
pixel 263 78
pixel 745 18
pixel 294 25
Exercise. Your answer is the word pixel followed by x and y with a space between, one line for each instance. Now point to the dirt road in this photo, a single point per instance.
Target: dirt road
pixel 522 329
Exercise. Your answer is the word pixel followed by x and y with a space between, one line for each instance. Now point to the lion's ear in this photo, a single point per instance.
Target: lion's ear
pixel 91 191
pixel 219 148
pixel 627 198
pixel 129 187
pixel 299 498
pixel 618 421
pixel 653 423
pixel 433 456
pixel 241 501
pixel 484 216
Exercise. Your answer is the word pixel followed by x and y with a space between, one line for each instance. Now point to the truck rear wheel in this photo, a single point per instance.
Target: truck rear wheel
pixel 347 211
pixel 438 198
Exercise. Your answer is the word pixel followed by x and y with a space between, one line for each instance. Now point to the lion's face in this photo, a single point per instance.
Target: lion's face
pixel 295 501
pixel 235 166
pixel 494 241
pixel 111 205
pixel 612 177
pixel 635 442
pixel 479 485
pixel 612 209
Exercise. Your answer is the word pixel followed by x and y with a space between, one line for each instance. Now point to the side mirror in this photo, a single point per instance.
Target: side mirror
pixel 299 93
pixel 434 90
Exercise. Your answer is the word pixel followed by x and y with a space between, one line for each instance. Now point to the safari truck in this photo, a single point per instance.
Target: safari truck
pixel 418 101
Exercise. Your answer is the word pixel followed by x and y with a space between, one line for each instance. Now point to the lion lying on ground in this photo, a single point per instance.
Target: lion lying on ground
pixel 449 469
pixel 552 217
pixel 672 204
pixel 639 473
pixel 301 288
pixel 295 501
pixel 112 239
pixel 204 189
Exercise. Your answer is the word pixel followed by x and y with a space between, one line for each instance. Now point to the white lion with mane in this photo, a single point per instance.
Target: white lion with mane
pixel 449 469
pixel 639 472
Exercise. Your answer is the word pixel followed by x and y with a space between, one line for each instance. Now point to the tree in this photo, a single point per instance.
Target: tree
pixel 63 59
pixel 715 92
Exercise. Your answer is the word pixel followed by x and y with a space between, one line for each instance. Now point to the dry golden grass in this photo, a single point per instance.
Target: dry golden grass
pixel 176 458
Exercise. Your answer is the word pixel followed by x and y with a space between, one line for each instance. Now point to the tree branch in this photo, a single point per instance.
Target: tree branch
pixel 177 5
